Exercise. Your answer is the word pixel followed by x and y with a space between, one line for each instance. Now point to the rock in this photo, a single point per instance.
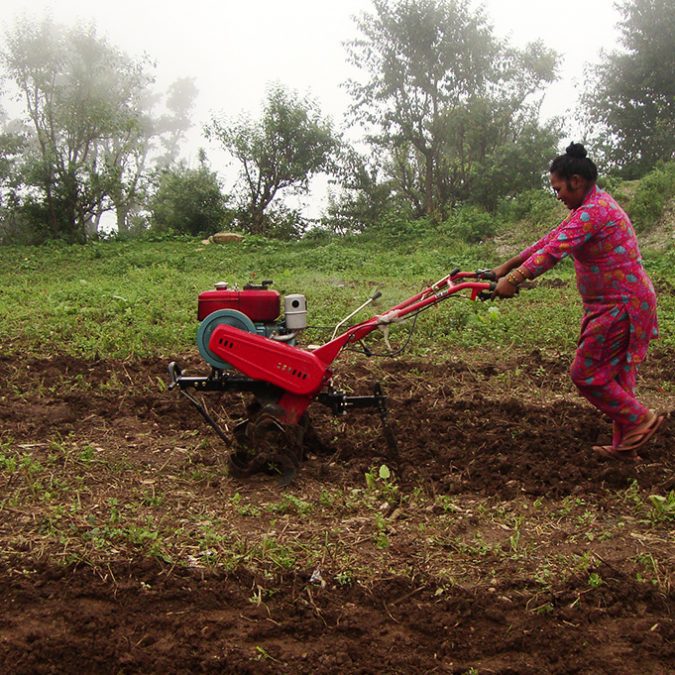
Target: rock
pixel 226 237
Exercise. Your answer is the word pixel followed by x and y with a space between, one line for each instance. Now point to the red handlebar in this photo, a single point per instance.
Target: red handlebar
pixel 441 290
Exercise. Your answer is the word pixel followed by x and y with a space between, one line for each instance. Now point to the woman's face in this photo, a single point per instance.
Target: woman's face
pixel 570 191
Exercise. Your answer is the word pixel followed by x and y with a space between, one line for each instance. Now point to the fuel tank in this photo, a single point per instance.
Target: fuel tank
pixel 261 305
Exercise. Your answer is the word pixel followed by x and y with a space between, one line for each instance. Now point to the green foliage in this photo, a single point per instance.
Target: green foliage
pixel 511 167
pixel 131 298
pixel 629 100
pixel 595 580
pixel 280 151
pixel 663 508
pixel 12 145
pixel 471 224
pixel 82 97
pixel 364 200
pixel 188 201
pixel 450 104
pixel 655 190
pixel 532 206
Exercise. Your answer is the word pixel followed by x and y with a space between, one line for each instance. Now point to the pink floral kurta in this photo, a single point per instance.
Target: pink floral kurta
pixel 619 301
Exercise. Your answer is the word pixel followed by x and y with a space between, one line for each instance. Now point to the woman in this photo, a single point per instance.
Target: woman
pixel 619 300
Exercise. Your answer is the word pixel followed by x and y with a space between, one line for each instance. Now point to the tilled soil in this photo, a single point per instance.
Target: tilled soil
pixel 504 545
pixel 63 620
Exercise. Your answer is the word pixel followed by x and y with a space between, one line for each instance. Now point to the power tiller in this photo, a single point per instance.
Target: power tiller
pixel 250 350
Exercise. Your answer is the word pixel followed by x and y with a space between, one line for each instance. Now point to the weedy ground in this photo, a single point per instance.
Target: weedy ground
pixel 494 541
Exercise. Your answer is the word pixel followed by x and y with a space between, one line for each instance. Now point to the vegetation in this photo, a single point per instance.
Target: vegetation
pixel 288 145
pixel 653 194
pixel 82 147
pixel 452 107
pixel 450 115
pixel 132 298
pixel 629 102
pixel 497 515
pixel 188 201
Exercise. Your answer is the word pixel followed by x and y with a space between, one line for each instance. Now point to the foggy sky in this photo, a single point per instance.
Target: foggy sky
pixel 235 48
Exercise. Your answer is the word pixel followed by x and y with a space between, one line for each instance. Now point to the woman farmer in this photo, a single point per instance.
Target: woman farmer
pixel 619 300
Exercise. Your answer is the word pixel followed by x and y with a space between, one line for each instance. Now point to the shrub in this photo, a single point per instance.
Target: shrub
pixel 651 196
pixel 471 224
pixel 189 201
pixel 533 206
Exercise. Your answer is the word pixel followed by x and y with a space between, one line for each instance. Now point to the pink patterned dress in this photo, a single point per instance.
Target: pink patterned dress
pixel 619 304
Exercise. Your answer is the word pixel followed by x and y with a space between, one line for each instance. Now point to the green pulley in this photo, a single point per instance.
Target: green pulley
pixel 229 317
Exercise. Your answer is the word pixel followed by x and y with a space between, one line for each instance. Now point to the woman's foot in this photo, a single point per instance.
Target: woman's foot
pixel 637 437
pixel 623 455
pixel 634 439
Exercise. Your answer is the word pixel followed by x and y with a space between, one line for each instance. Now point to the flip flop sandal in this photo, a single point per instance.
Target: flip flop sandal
pixel 622 454
pixel 644 435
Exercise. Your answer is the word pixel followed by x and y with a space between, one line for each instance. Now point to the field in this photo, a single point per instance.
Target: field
pixel 494 541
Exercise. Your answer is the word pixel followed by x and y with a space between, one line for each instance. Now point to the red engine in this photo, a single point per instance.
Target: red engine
pixel 259 303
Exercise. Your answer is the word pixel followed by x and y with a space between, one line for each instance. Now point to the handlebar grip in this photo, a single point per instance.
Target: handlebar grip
pixel 376 295
pixel 486 274
pixel 488 294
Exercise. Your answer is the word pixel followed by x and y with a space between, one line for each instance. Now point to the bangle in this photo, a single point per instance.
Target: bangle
pixel 522 274
pixel 512 280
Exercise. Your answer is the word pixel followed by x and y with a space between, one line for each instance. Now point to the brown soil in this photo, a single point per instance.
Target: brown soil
pixel 504 546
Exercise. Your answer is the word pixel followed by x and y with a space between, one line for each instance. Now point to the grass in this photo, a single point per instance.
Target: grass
pixel 131 299
pixel 69 502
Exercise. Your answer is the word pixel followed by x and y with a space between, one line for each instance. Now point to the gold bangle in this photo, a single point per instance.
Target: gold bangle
pixel 512 280
pixel 522 274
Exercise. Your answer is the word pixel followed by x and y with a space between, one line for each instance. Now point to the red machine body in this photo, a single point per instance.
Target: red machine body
pixel 300 373
pixel 292 369
pixel 261 305
pixel 285 379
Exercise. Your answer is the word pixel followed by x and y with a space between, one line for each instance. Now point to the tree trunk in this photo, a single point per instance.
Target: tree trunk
pixel 121 212
pixel 257 222
pixel 91 227
pixel 428 183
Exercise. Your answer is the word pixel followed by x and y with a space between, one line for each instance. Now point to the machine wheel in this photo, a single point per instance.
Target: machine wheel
pixel 268 445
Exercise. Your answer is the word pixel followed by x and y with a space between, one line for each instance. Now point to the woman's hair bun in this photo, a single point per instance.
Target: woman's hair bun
pixel 576 150
pixel 574 163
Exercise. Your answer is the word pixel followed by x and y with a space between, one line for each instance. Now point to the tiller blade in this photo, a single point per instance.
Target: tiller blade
pixel 267 444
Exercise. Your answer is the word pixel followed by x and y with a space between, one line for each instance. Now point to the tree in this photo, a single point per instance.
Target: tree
pixel 12 146
pixel 172 126
pixel 442 94
pixel 362 198
pixel 629 102
pixel 281 151
pixel 188 201
pixel 84 101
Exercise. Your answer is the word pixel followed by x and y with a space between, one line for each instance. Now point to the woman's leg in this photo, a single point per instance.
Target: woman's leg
pixel 608 381
pixel 597 381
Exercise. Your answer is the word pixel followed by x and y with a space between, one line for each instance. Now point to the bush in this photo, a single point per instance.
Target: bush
pixel 471 224
pixel 533 206
pixel 398 224
pixel 24 224
pixel 189 201
pixel 651 196
pixel 279 222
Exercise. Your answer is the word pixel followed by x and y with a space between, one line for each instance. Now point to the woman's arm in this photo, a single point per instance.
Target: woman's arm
pixel 503 269
pixel 507 286
pixel 517 260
